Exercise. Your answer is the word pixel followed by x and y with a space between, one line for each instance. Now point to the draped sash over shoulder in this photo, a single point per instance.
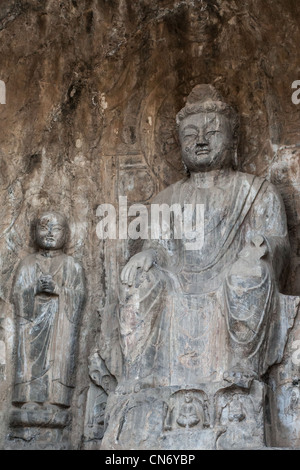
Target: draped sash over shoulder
pixel 181 323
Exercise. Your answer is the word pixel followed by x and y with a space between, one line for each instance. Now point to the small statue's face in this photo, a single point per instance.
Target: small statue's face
pixel 51 232
pixel 294 397
pixel 96 377
pixel 206 141
pixel 188 397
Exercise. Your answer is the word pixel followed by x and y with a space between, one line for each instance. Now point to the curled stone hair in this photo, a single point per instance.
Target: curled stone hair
pixel 205 98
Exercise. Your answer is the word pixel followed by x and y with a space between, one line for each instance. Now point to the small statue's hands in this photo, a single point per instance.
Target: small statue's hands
pixel 46 284
pixel 143 260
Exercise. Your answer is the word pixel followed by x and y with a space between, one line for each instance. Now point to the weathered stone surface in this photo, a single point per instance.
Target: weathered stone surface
pixel 200 307
pixel 92 91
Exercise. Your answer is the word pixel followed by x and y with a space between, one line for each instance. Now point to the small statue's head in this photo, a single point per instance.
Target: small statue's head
pixel 208 131
pixel 294 396
pixel 51 231
pixel 188 396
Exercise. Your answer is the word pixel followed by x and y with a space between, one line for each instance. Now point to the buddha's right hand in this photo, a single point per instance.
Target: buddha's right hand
pixel 143 260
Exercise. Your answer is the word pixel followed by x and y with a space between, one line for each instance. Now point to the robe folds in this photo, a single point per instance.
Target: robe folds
pixel 190 318
pixel 47 329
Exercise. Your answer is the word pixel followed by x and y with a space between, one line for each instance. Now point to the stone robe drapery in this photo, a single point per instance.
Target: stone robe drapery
pixel 181 322
pixel 47 329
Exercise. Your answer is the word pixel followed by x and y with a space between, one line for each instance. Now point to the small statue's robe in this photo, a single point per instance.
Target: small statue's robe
pixel 47 328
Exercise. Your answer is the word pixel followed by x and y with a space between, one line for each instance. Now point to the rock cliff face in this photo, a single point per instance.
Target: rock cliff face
pixel 92 90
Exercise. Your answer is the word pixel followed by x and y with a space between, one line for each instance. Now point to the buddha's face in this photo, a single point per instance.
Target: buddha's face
pixel 206 141
pixel 51 231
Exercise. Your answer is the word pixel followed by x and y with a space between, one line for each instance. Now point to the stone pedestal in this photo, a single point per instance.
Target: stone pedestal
pixel 37 428
pixel 205 417
pixel 283 397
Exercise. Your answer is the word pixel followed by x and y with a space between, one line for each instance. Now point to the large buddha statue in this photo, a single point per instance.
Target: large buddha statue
pixel 203 317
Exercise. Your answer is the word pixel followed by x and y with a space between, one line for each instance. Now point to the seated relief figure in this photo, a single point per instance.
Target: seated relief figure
pixel 207 319
pixel 48 295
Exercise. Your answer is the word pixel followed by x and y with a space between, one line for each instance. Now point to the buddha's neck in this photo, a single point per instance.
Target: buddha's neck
pixel 50 253
pixel 208 179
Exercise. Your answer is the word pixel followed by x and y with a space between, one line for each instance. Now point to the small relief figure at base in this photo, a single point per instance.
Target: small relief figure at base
pixel 189 413
pixel 48 296
pixel 293 404
pixel 241 415
pixel 102 383
pixel 236 412
pixel 186 409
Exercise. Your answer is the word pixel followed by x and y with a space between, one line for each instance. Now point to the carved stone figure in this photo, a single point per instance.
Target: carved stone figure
pixel 241 414
pixel 186 409
pixel 48 295
pixel 102 383
pixel 205 315
pixel 293 405
pixel 189 416
pixel 282 406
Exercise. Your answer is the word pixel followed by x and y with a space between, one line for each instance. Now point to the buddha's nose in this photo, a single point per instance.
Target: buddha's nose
pixel 201 140
pixel 201 144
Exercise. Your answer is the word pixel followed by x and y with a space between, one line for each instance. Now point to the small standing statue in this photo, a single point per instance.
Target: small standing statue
pixel 48 296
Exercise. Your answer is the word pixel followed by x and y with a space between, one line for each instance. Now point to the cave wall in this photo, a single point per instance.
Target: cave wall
pixel 92 89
